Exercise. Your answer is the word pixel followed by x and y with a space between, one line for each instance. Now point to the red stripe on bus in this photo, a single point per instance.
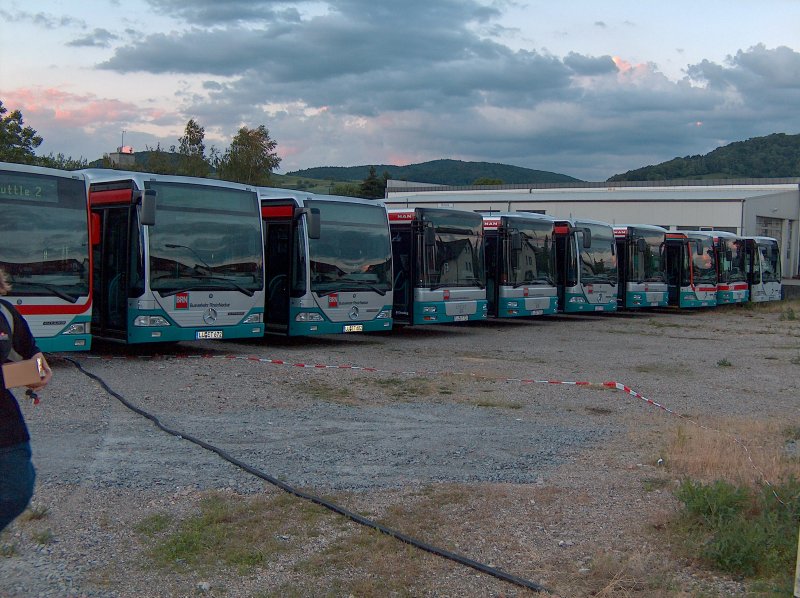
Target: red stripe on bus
pixel 277 211
pixel 43 310
pixel 112 196
pixel 560 230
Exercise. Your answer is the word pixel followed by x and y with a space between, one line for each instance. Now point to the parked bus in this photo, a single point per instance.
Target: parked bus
pixel 520 271
pixel 732 284
pixel 640 260
pixel 763 268
pixel 328 263
pixel 175 258
pixel 44 249
pixel 586 266
pixel 691 270
pixel 438 266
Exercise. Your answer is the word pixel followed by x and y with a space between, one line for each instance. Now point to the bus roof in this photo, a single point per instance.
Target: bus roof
pixel 621 230
pixel 44 170
pixel 107 175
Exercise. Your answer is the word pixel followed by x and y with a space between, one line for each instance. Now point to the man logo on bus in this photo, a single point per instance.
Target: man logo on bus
pixel 182 301
pixel 333 300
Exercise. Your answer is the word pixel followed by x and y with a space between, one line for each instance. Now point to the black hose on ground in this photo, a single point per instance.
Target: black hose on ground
pixel 457 558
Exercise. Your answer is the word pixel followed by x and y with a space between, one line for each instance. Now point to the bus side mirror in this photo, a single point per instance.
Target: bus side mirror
pixel 313 225
pixel 147 204
pixel 516 241
pixel 587 238
pixel 641 245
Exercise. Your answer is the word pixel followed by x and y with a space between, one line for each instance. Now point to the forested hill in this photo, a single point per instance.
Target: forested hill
pixel 773 156
pixel 439 172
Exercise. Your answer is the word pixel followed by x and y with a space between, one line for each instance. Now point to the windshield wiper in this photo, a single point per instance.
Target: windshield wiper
pixel 228 283
pixel 457 283
pixel 364 283
pixel 55 290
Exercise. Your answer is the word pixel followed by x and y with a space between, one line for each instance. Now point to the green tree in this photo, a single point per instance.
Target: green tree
pixel 346 190
pixel 62 162
pixel 17 141
pixel 372 187
pixel 192 151
pixel 251 158
pixel 158 161
pixel 487 181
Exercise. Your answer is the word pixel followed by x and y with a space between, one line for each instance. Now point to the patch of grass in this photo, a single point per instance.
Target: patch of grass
pixel 653 484
pixel 153 524
pixel 724 363
pixel 43 537
pixel 36 513
pixel 230 532
pixel 708 455
pixel 8 550
pixel 493 403
pixel 329 393
pixel 741 530
pixel 788 314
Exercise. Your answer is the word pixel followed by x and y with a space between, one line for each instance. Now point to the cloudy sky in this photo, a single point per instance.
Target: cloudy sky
pixel 580 87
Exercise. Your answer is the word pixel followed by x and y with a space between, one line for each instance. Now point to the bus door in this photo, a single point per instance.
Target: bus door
pixel 278 260
pixel 622 269
pixel 111 252
pixel 677 269
pixel 562 239
pixel 402 265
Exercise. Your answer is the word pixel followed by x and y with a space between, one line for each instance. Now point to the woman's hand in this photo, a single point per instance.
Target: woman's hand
pixel 44 369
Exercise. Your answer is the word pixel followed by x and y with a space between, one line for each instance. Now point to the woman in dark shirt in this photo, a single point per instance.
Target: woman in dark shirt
pixel 17 475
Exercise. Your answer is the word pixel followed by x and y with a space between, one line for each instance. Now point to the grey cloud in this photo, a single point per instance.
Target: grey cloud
pixel 41 19
pixel 590 65
pixel 99 38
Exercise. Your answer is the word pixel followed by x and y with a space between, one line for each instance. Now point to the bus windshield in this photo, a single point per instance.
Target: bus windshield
pixel 534 261
pixel 769 256
pixel 648 266
pixel 732 260
pixel 45 235
pixel 354 251
pixel 456 259
pixel 206 238
pixel 598 262
pixel 703 263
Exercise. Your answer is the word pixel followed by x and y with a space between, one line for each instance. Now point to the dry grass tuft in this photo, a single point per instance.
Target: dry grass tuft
pixel 742 452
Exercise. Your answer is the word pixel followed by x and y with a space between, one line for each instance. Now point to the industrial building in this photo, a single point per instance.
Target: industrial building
pixel 748 207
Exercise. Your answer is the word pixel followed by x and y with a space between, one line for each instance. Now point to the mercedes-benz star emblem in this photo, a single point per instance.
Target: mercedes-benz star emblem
pixel 210 316
pixel 354 313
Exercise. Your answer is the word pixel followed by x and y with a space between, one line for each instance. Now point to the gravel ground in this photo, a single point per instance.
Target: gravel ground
pixel 445 407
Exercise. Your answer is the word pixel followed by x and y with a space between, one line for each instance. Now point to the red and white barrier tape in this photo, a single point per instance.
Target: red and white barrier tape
pixel 608 384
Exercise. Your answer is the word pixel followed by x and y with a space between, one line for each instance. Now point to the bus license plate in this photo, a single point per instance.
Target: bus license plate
pixel 354 328
pixel 460 318
pixel 208 334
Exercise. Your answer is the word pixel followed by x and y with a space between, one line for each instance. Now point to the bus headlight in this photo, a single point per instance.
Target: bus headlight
pixel 77 328
pixel 384 314
pixel 147 321
pixel 254 319
pixel 429 309
pixel 308 316
pixel 577 300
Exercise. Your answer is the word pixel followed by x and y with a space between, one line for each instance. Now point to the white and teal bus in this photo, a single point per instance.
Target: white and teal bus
pixel 586 266
pixel 764 268
pixel 640 260
pixel 44 249
pixel 690 262
pixel 520 270
pixel 328 264
pixel 174 258
pixel 439 274
pixel 732 284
